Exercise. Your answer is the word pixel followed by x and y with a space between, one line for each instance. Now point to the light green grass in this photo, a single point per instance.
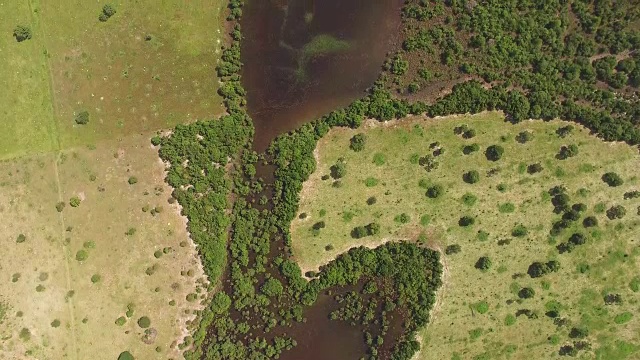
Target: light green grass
pixel 610 252
pixel 128 85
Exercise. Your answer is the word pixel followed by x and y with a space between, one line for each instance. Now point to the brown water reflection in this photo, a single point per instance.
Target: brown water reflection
pixel 293 74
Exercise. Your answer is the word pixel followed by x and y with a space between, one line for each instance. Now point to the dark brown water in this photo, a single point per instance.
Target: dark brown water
pixel 293 74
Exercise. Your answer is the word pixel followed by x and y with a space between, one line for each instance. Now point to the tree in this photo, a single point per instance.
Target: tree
pixel 564 131
pixel 357 142
pixel 469 149
pixel 466 221
pixel 519 231
pixel 616 212
pixel 358 232
pixel 494 152
pixel 107 12
pixel 524 137
pixel 471 177
pixel 144 322
pixel 567 152
pixel 517 106
pixel 590 221
pixel 483 264
pixel 612 179
pixel 452 249
pixel 338 170
pixel 534 168
pixel 82 118
pixel 22 33
pixel 435 191
pixel 272 287
pixel 526 293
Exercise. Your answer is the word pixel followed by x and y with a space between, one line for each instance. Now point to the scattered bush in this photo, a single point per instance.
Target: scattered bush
pixel 483 264
pixel 616 212
pixel 96 278
pixel 82 118
pixel 466 221
pixel 338 170
pixel 526 293
pixel 121 321
pixel 590 221
pixel 370 182
pixel 435 191
pixel 567 152
pixel 471 177
pixel 519 231
pixel 358 142
pixel 379 159
pixel 82 255
pixel 372 200
pixel 494 152
pixel 564 131
pixel 534 168
pixel 74 201
pixel 452 249
pixel 125 356
pixel 107 12
pixel 507 208
pixel 469 199
pixel 22 33
pixel 55 323
pixel 524 137
pixel 470 149
pixel 21 238
pixel 144 322
pixel 622 318
pixel 612 179
pixel 132 180
pixel 538 269
pixel 402 218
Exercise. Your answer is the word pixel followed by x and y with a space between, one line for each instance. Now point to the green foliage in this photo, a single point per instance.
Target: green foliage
pixel 466 221
pixel 338 170
pixel 357 142
pixel 622 318
pixel 371 182
pixel 435 191
pixel 567 152
pixel 526 293
pixel 470 149
pixel 481 307
pixel 452 249
pixel 82 255
pixel 21 238
pixel 272 287
pixel 509 320
pixel 402 218
pixel 471 177
pixel 144 322
pixel 60 206
pixel 132 180
pixel 519 231
pixel 121 321
pixel 494 152
pixel 95 278
pixel 483 264
pixel 107 12
pixel 616 212
pixel 82 118
pixel 524 137
pixel 125 355
pixel 379 159
pixel 612 179
pixel 507 208
pixel 22 33
pixel 55 323
pixel 469 199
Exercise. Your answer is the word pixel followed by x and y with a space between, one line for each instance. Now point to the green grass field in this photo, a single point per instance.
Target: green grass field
pixel 150 66
pixel 480 315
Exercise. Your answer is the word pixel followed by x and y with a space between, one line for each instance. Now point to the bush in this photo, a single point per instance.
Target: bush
pixel 632 195
pixel 526 293
pixel 494 152
pixel 55 323
pixel 507 208
pixel 564 131
pixel 74 201
pixel 402 218
pixel 567 152
pixel 82 255
pixel 466 221
pixel 21 238
pixel 125 356
pixel 107 12
pixel 538 269
pixel 372 200
pixel 590 221
pixel 471 177
pixel 524 137
pixel 370 182
pixel 519 231
pixel 358 142
pixel 435 191
pixel 452 249
pixel 132 180
pixel 469 199
pixel 60 206
pixel 338 170
pixel 121 321
pixel 469 149
pixel 483 264
pixel 319 225
pixel 358 232
pixel 379 159
pixel 82 118
pixel 612 179
pixel 22 33
pixel 95 278
pixel 144 322
pixel 534 168
pixel 616 212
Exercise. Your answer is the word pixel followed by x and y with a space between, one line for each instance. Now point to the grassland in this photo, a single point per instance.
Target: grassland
pixel 88 296
pixel 75 280
pixel 480 315
pixel 150 66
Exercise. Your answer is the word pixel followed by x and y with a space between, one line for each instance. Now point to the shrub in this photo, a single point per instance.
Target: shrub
pixel 60 206
pixel 74 201
pixel 370 182
pixel 125 356
pixel 158 254
pixel 272 287
pixel 144 322
pixel 22 33
pixel 524 137
pixel 95 278
pixel 590 221
pixel 21 238
pixel 379 159
pixel 82 118
pixel 616 212
pixel 632 195
pixel 471 177
pixel 469 134
pixel 372 200
pixel 82 255
pixel 435 191
pixel 470 149
pixel 132 180
pixel 358 232
pixel 319 225
pixel 567 152
pixel 328 247
pixel 510 320
pixel 534 168
pixel 564 131
pixel 482 307
pixel 612 179
pixel 372 229
pixel 578 333
pixel 121 321
pixel 425 220
pixel 466 221
pixel 452 249
pixel 623 318
pixel 526 293
pixel 469 199
pixel 358 142
pixel 402 218
pixel 519 231
pixel 107 12
pixel 483 264
pixel 55 323
pixel 338 170
pixel 507 208
pixel 156 140
pixel 538 269
pixel 494 152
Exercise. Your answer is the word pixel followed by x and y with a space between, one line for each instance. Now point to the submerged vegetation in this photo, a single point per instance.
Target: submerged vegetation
pixel 319 45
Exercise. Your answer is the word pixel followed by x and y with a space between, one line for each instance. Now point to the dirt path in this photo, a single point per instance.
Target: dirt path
pixel 56 142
